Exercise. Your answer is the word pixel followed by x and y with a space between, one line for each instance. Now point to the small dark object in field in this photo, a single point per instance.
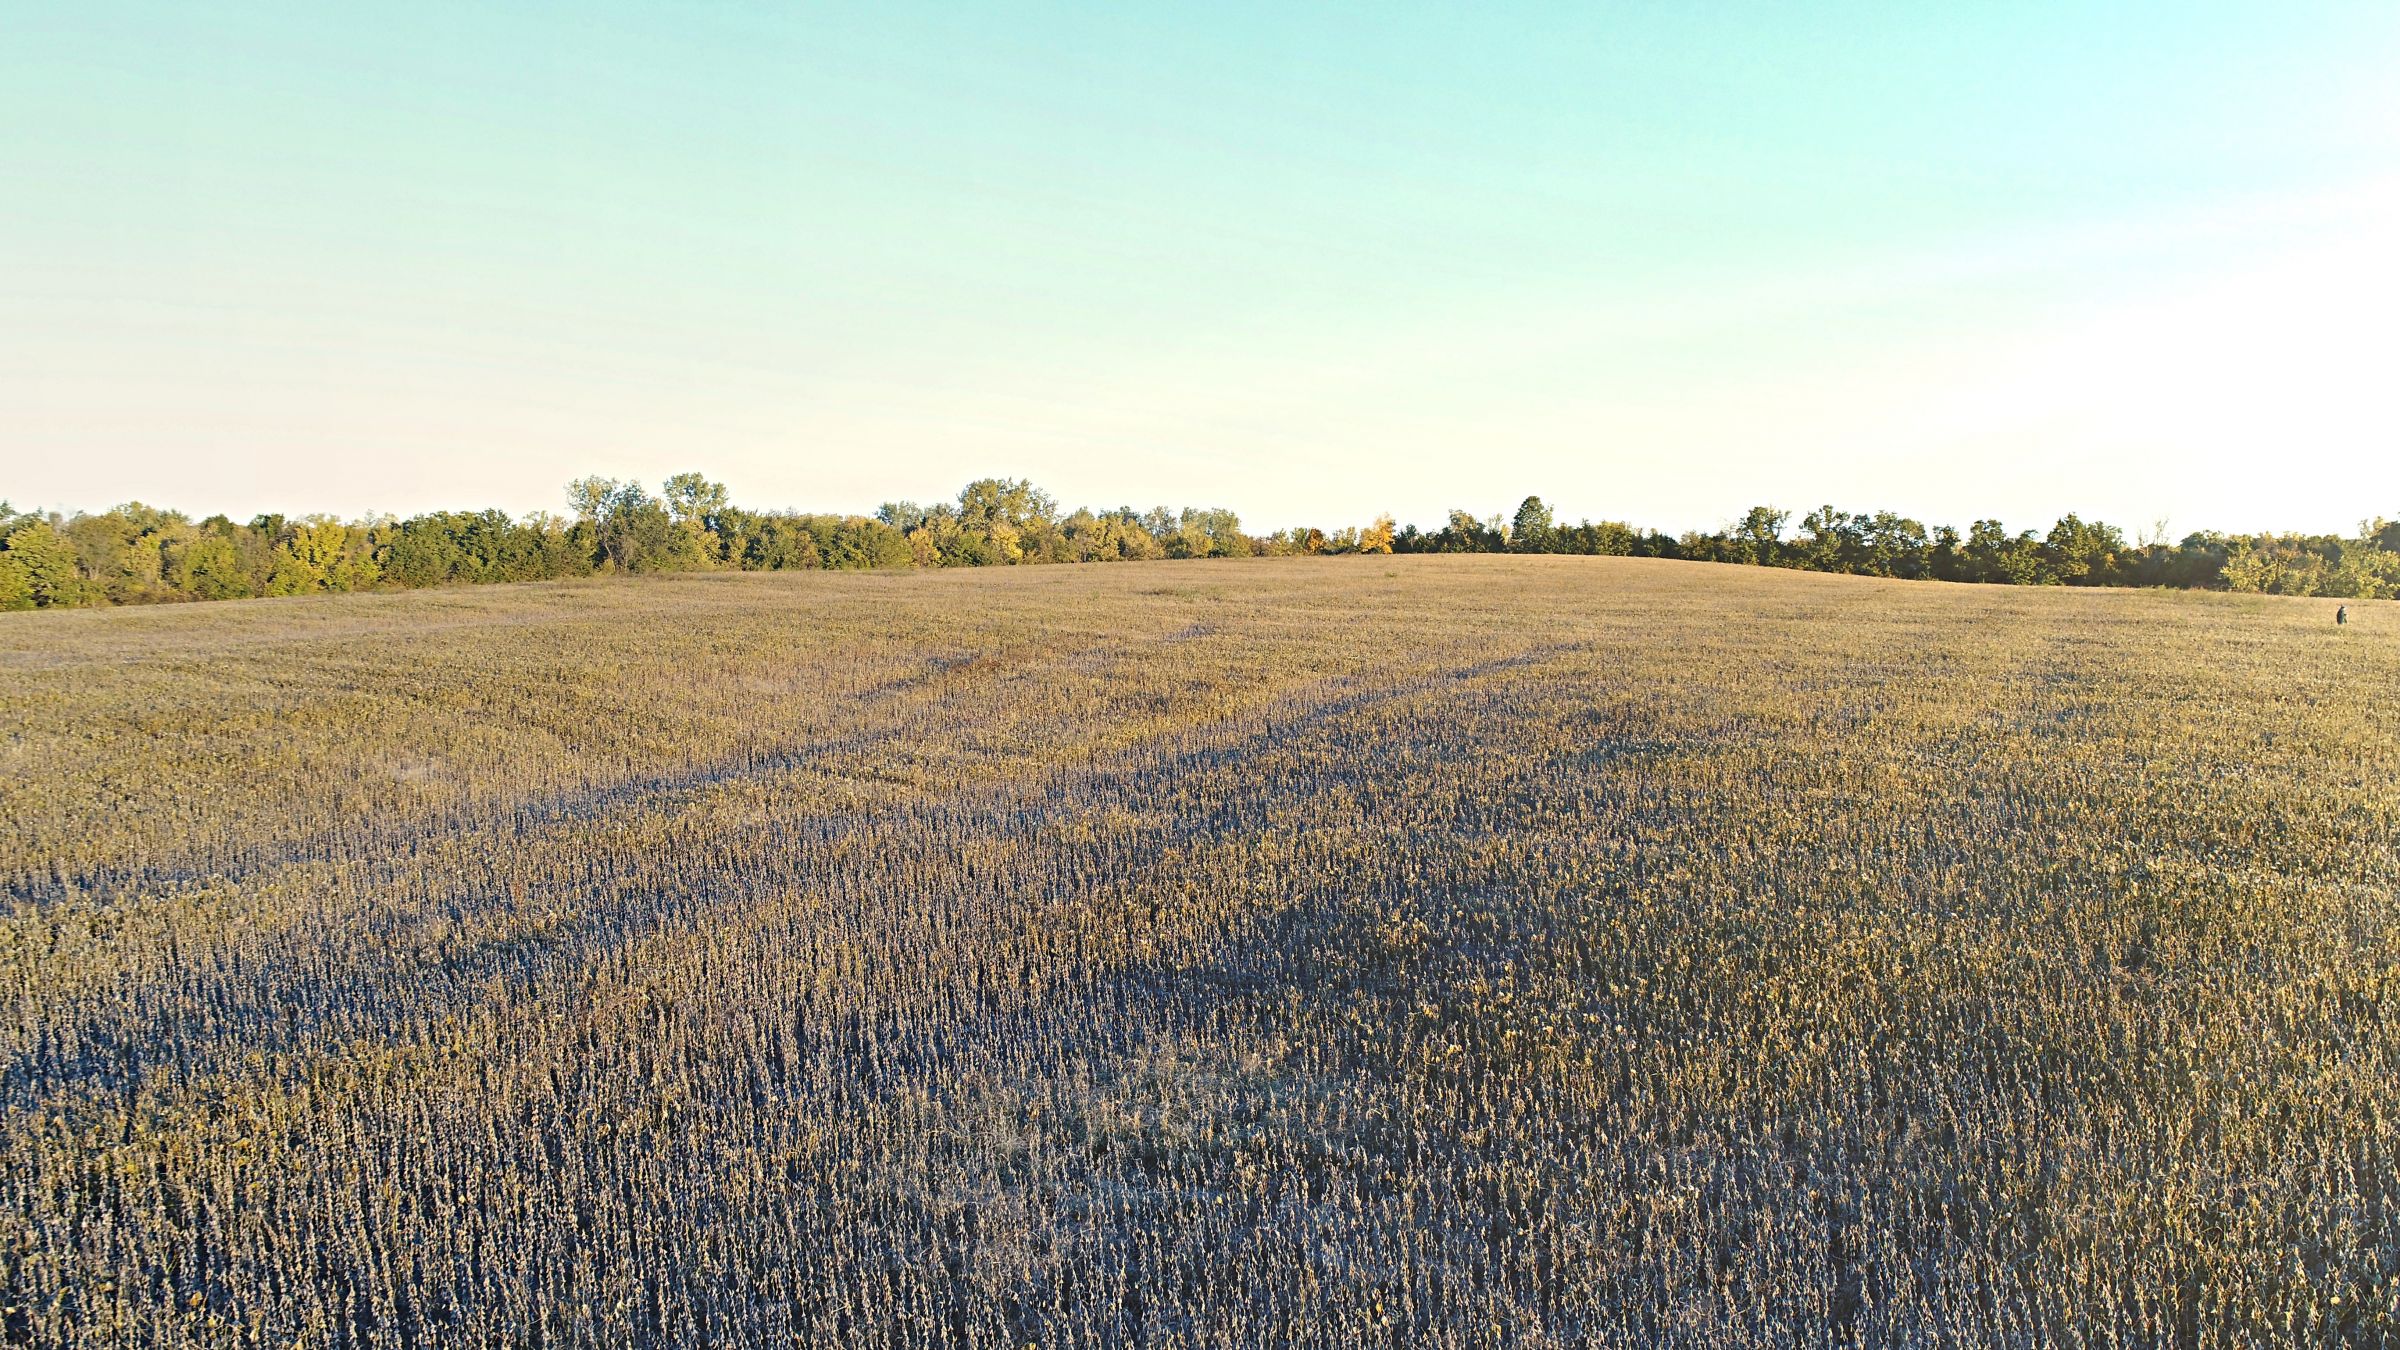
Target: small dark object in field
pixel 2341 614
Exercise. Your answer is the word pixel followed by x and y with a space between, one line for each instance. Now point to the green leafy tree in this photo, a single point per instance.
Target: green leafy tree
pixel 1830 541
pixel 42 567
pixel 209 567
pixel 698 507
pixel 1995 555
pixel 122 553
pixel 1947 558
pixel 2080 552
pixel 16 584
pixel 1212 532
pixel 322 554
pixel 2365 571
pixel 638 534
pixel 692 498
pixel 1893 545
pixel 1758 537
pixel 1003 520
pixel 1530 531
pixel 1465 534
pixel 589 497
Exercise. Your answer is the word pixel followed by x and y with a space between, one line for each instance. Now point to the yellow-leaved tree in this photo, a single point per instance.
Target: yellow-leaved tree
pixel 322 554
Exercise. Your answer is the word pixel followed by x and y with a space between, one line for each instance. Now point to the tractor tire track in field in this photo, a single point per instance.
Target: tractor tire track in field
pixel 367 964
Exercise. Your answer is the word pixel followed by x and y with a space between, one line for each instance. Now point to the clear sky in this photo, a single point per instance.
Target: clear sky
pixel 1653 261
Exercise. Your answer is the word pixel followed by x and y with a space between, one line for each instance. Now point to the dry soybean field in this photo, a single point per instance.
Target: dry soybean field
pixel 1317 952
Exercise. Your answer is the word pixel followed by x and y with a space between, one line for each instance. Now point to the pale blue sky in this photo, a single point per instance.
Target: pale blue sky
pixel 1654 262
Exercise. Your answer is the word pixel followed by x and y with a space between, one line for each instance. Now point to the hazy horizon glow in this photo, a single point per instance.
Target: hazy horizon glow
pixel 1651 262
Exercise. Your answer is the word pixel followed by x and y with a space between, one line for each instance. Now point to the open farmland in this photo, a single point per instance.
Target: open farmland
pixel 1410 952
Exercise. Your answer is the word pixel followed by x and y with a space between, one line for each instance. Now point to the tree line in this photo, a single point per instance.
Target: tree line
pixel 2073 552
pixel 137 554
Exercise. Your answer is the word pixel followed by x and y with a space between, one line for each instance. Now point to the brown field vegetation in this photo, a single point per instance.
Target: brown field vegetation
pixel 1418 951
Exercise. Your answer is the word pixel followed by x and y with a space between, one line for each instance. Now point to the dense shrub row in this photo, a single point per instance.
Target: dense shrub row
pixel 2074 552
pixel 137 554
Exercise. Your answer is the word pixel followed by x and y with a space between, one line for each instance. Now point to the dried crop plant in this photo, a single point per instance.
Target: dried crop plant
pixel 1415 952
